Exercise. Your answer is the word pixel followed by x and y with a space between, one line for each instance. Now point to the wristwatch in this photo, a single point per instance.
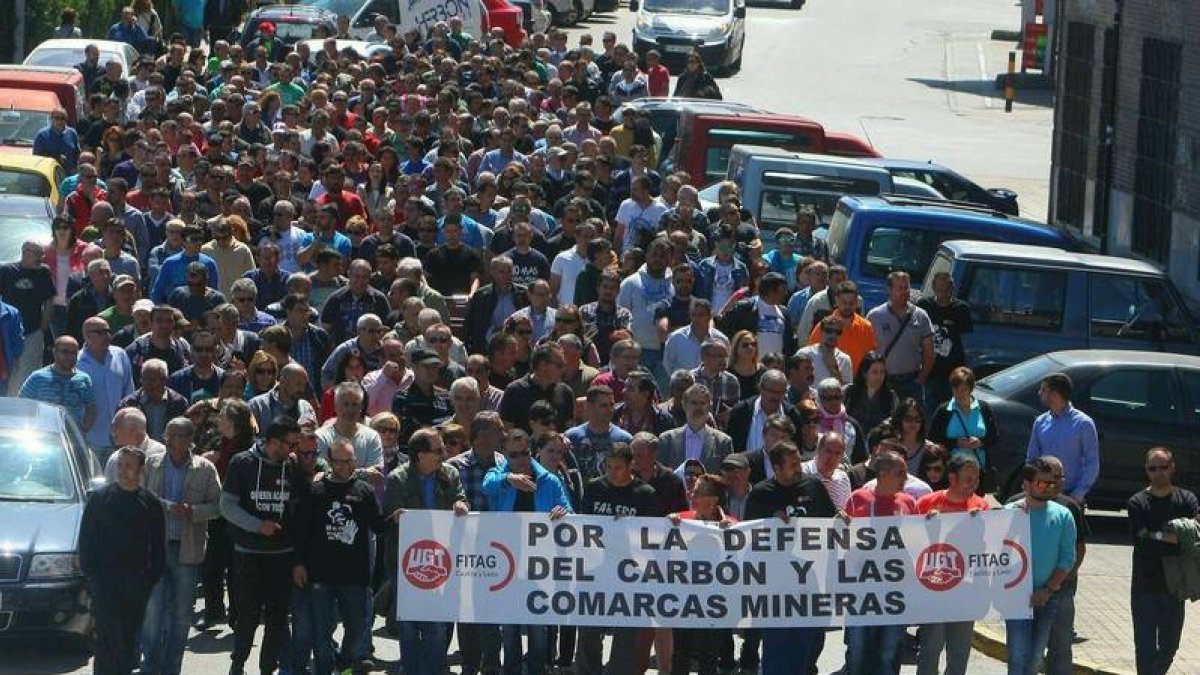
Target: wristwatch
pixel 1157 536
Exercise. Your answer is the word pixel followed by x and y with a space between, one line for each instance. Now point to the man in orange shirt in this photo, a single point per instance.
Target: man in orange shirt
pixel 858 336
pixel 954 637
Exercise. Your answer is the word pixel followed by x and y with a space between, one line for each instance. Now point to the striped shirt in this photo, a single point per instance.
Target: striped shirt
pixel 73 392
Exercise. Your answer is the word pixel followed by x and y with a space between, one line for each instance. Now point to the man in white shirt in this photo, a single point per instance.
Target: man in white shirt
pixel 639 214
pixel 565 268
pixel 682 348
pixel 348 407
pixel 827 359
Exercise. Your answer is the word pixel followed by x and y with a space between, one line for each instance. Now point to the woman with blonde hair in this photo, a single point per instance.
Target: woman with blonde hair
pixel 261 374
pixel 744 363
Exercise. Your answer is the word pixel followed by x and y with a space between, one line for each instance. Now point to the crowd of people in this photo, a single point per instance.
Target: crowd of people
pixel 291 296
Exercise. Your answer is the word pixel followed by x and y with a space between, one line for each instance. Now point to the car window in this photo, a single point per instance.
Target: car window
pixel 384 7
pixel 1023 375
pixel 34 466
pixel 1139 395
pixel 294 32
pixel 23 183
pixel 1135 308
pixel 907 249
pixel 948 185
pixel 16 230
pixel 941 263
pixel 721 141
pixel 59 58
pixel 778 208
pixel 1012 296
pixel 21 126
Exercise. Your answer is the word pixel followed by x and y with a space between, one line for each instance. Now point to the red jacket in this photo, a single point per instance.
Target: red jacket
pixel 79 208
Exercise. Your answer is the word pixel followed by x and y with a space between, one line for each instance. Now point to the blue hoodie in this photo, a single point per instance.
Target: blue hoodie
pixel 503 497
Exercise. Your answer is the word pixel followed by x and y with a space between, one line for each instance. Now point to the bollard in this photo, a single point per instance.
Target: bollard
pixel 1010 82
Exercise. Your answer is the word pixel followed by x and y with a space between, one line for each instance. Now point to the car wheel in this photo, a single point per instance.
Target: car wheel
pixel 579 16
pixel 736 66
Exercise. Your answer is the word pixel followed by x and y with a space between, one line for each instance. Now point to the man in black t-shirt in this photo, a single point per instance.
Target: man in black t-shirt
pixel 27 285
pixel 454 269
pixel 1158 615
pixel 951 319
pixel 789 494
pixel 528 263
pixel 617 493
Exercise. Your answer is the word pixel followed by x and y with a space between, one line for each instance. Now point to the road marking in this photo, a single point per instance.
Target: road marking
pixel 983 76
pixel 948 73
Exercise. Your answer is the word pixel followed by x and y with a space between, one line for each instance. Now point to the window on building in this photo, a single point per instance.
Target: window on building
pixel 1074 125
pixel 1154 181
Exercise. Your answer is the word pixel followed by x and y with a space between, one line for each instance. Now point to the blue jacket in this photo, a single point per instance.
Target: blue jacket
pixel 12 331
pixel 173 274
pixel 133 35
pixel 61 146
pixel 706 273
pixel 503 497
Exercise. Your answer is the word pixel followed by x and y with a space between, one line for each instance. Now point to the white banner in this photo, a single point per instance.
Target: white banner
pixel 522 568
pixel 423 14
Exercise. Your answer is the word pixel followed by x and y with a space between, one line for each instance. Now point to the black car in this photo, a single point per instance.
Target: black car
pixel 1137 399
pixel 293 23
pixel 46 473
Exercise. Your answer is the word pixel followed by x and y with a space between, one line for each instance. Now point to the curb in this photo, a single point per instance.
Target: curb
pixel 992 644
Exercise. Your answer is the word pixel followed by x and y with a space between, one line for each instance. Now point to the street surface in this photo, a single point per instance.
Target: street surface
pixel 915 78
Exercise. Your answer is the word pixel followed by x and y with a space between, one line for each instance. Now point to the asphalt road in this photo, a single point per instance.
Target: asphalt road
pixel 912 77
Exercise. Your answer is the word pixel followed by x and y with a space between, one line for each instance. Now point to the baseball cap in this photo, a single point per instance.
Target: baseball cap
pixel 143 305
pixel 266 27
pixel 426 357
pixel 735 461
pixel 124 280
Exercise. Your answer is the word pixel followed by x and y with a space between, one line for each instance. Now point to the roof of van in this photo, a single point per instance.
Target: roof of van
pixel 29 99
pixel 942 206
pixel 758 117
pixel 771 152
pixel 38 73
pixel 990 250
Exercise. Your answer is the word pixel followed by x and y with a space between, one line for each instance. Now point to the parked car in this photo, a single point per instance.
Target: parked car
pixel 293 23
pixel 676 28
pixel 67 52
pixel 23 113
pixel 873 236
pixel 362 14
pixel 664 113
pixel 711 136
pixel 1137 399
pixel 66 83
pixel 361 48
pixel 46 472
pixel 23 219
pixel 535 15
pixel 31 176
pixel 1028 300
pixel 953 185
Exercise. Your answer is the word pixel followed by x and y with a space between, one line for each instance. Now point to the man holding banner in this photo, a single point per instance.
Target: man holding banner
pixel 522 485
pixel 424 483
pixel 618 493
pixel 789 494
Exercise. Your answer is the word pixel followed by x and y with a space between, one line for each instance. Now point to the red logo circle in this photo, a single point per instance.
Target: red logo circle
pixel 426 564
pixel 940 567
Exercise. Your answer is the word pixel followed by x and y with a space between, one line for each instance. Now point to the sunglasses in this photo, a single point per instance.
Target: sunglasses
pixel 1045 484
pixel 264 371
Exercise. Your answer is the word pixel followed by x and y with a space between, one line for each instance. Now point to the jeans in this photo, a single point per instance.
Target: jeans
pixel 303 642
pixel 480 647
pixel 264 583
pixel 1157 624
pixel 531 660
pixel 873 650
pixel 328 602
pixel 118 606
pixel 955 638
pixel 560 645
pixel 423 647
pixel 218 571
pixel 784 648
pixel 1062 633
pixel 1027 638
pixel 589 653
pixel 168 616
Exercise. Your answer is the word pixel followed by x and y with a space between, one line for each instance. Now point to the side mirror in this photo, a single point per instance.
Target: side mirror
pixel 634 5
pixel 739 12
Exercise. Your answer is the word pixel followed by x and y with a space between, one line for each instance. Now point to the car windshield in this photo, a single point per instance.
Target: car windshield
pixel 65 58
pixel 339 7
pixel 20 126
pixel 294 32
pixel 706 7
pixel 14 182
pixel 34 466
pixel 16 230
pixel 1011 380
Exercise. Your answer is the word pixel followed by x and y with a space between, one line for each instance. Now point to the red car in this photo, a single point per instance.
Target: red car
pixel 500 14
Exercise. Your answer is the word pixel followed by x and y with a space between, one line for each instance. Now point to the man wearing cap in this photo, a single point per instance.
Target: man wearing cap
pixel 140 325
pixel 423 404
pixel 125 293
pixel 266 39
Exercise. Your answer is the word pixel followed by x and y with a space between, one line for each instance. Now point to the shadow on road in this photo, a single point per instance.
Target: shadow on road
pixel 48 656
pixel 987 88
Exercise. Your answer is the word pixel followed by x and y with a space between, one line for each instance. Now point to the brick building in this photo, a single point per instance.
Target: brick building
pixel 1126 160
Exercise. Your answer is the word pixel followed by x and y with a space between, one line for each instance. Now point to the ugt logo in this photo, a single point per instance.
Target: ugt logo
pixel 426 564
pixel 940 567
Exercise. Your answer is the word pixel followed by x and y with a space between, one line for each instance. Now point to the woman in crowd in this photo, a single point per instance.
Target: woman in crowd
pixel 869 399
pixel 568 322
pixel 263 372
pixel 66 255
pixel 352 369
pixel 744 363
pixel 908 421
pixel 966 425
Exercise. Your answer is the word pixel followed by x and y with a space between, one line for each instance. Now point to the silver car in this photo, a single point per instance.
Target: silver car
pixel 46 472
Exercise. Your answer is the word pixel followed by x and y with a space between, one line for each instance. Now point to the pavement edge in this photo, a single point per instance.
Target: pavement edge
pixel 992 644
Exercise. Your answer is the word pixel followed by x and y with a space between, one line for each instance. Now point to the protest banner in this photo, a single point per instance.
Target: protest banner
pixel 423 14
pixel 522 568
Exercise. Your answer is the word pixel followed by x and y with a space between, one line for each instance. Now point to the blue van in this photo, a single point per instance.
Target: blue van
pixel 873 236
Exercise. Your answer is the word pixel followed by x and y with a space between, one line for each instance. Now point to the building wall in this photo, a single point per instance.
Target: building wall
pixel 1172 20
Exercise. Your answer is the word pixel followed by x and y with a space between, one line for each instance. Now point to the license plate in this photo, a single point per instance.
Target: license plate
pixel 679 49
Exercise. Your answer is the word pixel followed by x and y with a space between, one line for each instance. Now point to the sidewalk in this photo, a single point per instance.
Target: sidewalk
pixel 1102 618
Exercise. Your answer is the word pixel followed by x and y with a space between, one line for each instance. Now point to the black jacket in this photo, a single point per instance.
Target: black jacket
pixel 699 85
pixel 256 489
pixel 123 534
pixel 479 315
pixel 332 522
pixel 743 315
pixel 742 414
pixel 520 396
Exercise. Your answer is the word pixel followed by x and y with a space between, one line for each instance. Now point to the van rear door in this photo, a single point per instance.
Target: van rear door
pixel 783 195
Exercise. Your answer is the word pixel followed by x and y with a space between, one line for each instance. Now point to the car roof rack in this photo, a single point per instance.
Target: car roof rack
pixel 913 200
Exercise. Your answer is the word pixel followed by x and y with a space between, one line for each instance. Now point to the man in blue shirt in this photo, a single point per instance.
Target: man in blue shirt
pixel 63 384
pixel 1068 434
pixel 173 273
pixel 58 141
pixel 128 30
pixel 1052 552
